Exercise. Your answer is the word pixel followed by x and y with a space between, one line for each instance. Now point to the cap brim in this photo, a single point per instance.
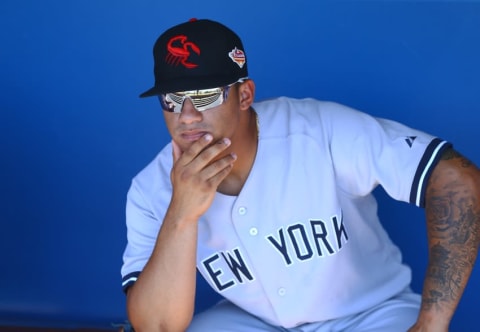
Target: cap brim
pixel 191 83
pixel 150 93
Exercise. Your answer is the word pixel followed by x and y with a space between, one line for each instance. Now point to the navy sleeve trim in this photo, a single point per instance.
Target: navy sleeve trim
pixel 427 163
pixel 129 280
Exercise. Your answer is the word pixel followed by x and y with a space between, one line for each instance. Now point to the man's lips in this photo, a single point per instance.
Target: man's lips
pixel 192 135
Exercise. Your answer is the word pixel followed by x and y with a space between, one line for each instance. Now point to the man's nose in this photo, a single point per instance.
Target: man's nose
pixel 189 112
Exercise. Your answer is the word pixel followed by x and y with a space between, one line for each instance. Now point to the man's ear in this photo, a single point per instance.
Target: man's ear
pixel 246 94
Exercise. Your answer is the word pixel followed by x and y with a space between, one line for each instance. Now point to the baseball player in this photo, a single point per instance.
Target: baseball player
pixel 272 202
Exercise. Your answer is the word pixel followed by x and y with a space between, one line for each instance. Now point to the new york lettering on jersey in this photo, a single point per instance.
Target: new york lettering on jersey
pixel 294 244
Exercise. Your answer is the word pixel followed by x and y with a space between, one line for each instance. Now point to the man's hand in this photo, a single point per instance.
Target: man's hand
pixel 196 175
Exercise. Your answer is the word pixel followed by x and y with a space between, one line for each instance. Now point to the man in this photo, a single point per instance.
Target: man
pixel 271 201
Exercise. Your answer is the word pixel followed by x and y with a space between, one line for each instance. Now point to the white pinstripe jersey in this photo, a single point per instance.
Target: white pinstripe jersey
pixel 302 241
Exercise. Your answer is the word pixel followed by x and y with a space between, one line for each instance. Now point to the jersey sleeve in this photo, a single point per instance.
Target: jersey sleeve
pixel 141 234
pixel 369 151
pixel 147 201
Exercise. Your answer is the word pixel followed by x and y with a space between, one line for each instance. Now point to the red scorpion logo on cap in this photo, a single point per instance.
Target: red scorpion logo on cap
pixel 177 55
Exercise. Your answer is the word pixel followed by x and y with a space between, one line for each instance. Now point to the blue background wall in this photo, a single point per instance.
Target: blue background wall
pixel 73 131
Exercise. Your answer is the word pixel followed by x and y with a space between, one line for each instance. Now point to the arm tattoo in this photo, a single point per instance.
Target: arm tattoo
pixel 450 153
pixel 454 215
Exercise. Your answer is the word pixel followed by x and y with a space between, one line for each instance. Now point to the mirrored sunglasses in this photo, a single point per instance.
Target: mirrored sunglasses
pixel 203 100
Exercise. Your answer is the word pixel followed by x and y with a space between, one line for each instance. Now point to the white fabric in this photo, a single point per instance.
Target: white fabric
pixel 302 242
pixel 397 314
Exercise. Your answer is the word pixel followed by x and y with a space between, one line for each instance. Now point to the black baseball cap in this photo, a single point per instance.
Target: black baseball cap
pixel 198 54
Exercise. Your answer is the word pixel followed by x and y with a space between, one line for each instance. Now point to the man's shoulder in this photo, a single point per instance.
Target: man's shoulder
pixel 281 114
pixel 306 107
pixel 157 172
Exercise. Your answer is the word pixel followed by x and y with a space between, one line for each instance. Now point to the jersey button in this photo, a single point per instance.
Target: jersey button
pixel 282 291
pixel 242 211
pixel 253 231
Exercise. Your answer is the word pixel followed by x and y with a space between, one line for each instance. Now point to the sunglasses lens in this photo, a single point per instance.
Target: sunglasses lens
pixel 167 104
pixel 207 101
pixel 203 100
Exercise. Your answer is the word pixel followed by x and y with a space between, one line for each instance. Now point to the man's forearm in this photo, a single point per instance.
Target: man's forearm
pixel 162 299
pixel 453 222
